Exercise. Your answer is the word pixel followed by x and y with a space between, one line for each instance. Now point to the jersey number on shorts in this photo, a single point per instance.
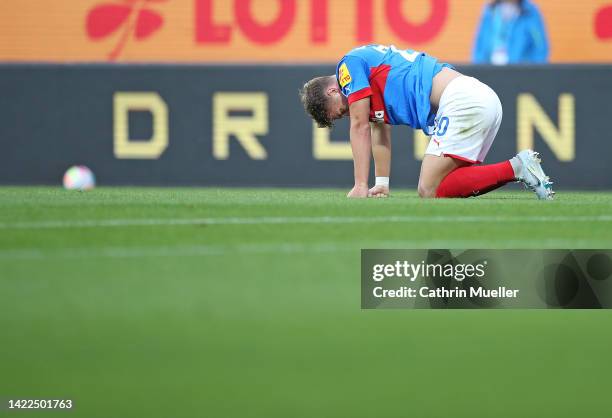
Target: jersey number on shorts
pixel 442 127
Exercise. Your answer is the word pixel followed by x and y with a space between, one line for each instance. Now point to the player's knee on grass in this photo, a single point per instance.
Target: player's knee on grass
pixel 426 190
pixel 434 170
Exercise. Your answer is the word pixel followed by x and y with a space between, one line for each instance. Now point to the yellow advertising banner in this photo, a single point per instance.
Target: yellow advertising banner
pixel 287 31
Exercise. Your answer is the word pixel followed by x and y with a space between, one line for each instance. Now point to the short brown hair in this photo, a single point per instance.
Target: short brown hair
pixel 314 99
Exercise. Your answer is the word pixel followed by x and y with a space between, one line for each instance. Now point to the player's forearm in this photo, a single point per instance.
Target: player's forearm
pixel 381 149
pixel 382 160
pixel 361 144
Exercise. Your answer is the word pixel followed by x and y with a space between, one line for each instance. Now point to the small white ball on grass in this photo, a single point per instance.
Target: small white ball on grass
pixel 79 177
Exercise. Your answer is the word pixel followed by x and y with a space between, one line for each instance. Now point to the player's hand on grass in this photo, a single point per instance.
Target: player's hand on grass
pixel 358 191
pixel 379 191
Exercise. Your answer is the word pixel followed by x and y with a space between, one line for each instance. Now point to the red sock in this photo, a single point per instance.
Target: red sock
pixel 475 180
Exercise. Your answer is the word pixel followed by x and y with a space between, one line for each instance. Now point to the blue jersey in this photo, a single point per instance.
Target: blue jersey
pixel 398 83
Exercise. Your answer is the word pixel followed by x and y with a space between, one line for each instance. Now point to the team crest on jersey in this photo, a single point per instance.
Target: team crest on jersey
pixel 379 116
pixel 343 75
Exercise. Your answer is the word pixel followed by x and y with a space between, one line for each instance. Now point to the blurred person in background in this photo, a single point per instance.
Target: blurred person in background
pixel 511 32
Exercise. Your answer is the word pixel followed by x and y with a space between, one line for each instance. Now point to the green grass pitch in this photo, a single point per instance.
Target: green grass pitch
pixel 245 303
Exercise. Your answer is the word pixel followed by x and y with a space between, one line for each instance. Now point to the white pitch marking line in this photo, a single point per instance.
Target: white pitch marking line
pixel 269 248
pixel 178 251
pixel 101 223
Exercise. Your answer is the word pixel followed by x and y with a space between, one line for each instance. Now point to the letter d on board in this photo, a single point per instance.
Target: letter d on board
pixel 123 103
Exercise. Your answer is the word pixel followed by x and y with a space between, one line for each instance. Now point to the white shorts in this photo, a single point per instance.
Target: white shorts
pixel 467 121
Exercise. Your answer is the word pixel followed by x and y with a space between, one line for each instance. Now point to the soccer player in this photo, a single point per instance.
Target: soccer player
pixel 378 86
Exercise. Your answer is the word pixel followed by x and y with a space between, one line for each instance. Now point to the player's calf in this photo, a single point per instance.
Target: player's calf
pixel 480 179
pixel 475 180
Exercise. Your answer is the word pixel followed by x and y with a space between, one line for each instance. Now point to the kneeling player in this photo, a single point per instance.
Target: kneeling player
pixel 378 86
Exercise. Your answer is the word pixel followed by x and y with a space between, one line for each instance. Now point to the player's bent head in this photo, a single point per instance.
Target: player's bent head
pixel 315 100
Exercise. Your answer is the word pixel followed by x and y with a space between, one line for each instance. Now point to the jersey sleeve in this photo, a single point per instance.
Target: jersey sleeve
pixel 353 78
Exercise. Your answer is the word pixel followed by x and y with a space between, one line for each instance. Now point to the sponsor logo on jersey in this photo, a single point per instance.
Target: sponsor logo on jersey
pixel 343 75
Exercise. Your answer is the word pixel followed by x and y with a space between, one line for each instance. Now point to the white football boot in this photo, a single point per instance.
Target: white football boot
pixel 532 175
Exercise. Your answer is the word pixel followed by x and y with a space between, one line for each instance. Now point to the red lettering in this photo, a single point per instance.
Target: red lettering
pixel 603 23
pixel 364 21
pixel 318 21
pixel 206 30
pixel 416 33
pixel 265 34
